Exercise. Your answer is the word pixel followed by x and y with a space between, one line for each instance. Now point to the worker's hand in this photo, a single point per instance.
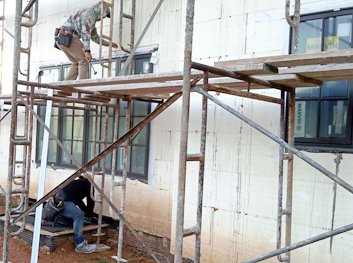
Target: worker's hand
pixel 88 56
pixel 115 45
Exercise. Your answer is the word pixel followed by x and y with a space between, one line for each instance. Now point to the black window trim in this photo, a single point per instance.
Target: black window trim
pixel 58 163
pixel 327 145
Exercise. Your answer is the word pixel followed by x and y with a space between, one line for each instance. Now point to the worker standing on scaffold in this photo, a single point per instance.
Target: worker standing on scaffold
pixel 80 25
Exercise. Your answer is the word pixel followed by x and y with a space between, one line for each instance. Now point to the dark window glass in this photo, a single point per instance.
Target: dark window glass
pixel 45 76
pixel 335 88
pixel 311 92
pixel 72 134
pixel 81 128
pixel 310 36
pixel 333 118
pixel 139 146
pixel 138 160
pixel 53 148
pixel 323 114
pixel 338 32
pixel 97 71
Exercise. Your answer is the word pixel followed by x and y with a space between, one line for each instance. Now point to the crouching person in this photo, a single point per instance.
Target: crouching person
pixel 68 203
pixel 75 208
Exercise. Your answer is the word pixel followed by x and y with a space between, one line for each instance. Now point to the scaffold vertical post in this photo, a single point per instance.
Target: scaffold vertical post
pixel 294 23
pixel 2 39
pixel 189 26
pixel 197 258
pixel 116 102
pixel 280 211
pixel 126 160
pixel 106 65
pixel 16 67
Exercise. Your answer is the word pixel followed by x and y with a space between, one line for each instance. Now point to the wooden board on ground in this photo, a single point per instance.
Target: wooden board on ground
pixel 30 228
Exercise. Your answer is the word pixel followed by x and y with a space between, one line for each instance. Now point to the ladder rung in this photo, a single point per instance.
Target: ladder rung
pixel 128 16
pixel 98 173
pixel 104 66
pixel 285 212
pixel 18 176
pixel 100 142
pixel 18 183
pixel 26 15
pixel 22 142
pixel 20 137
pixel 24 50
pixel 106 37
pixel 195 157
pixel 287 156
pixel 194 230
pixel 19 191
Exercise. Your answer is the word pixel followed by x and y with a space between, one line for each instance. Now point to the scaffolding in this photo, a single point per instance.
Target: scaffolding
pixel 239 78
pixel 2 32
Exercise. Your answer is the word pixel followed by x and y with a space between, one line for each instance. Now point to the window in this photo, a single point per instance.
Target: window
pixel 323 114
pixel 75 126
pixel 48 75
pixel 139 146
pixel 72 134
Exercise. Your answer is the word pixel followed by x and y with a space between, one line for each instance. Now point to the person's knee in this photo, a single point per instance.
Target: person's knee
pixel 79 215
pixel 83 63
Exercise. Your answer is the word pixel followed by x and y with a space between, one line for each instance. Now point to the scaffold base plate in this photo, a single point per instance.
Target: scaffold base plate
pixel 102 247
pixel 119 259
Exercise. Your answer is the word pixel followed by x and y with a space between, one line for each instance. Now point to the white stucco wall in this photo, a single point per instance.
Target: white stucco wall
pixel 240 199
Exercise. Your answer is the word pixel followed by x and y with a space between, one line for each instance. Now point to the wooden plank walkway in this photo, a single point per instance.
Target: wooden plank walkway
pixel 281 72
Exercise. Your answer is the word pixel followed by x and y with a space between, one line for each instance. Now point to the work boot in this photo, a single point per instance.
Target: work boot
pixel 86 248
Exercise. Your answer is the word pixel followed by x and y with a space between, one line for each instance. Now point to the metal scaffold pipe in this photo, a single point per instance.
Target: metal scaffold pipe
pixel 294 24
pixel 81 170
pixel 136 45
pixel 16 67
pixel 189 27
pixel 280 141
pixel 302 243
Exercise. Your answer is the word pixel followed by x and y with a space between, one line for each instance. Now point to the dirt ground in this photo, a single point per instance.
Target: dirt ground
pixel 20 252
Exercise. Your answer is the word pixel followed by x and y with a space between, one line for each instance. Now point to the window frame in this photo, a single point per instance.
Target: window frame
pixel 86 125
pixel 318 144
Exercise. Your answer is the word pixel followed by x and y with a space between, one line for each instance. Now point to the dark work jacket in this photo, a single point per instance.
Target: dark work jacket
pixel 76 191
